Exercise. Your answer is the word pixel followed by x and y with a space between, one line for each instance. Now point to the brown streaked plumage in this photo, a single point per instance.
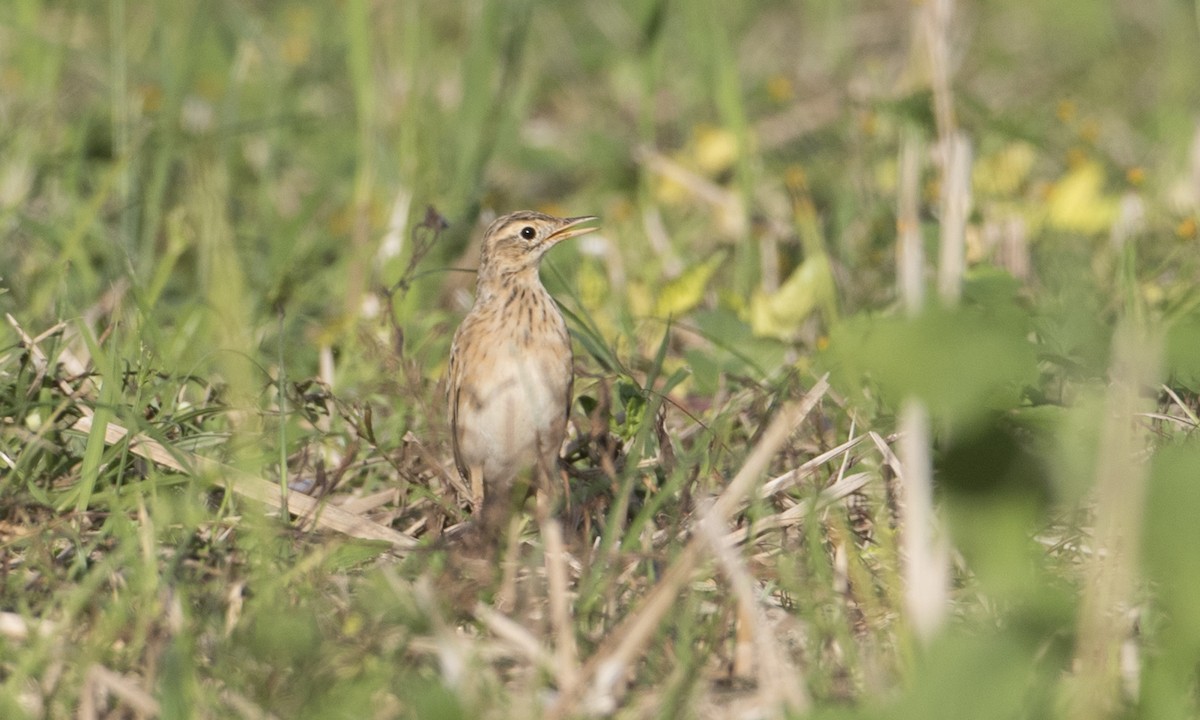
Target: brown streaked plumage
pixel 510 370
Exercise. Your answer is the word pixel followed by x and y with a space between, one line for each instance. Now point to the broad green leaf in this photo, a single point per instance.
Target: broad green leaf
pixel 1019 667
pixel 964 363
pixel 686 291
pixel 735 351
pixel 810 287
pixel 1183 352
pixel 1171 536
pixel 355 553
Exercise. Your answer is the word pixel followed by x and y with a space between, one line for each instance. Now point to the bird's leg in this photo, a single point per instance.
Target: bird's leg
pixel 476 472
pixel 502 502
pixel 545 506
pixel 565 481
pixel 552 490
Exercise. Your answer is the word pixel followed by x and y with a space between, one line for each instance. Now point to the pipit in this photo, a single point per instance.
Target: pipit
pixel 510 369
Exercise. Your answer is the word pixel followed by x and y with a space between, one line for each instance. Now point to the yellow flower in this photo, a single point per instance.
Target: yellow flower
pixel 780 89
pixel 1003 172
pixel 297 44
pixel 795 178
pixel 1078 201
pixel 716 149
pixel 1065 111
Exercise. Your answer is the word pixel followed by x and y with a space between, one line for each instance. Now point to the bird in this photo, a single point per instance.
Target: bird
pixel 511 373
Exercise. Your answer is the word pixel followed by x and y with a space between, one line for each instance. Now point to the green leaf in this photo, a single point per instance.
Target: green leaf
pixel 685 292
pixel 1183 352
pixel 89 471
pixel 355 553
pixel 1171 532
pixel 809 288
pixel 591 340
pixel 631 399
pixel 964 363
pixel 740 350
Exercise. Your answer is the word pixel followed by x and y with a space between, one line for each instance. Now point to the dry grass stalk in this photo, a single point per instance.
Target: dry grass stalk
pixel 305 507
pixel 517 637
pixel 659 240
pixel 566 655
pixel 791 478
pixel 936 20
pixel 1183 407
pixel 727 203
pixel 910 251
pixel 799 120
pixel 956 209
pixel 15 628
pixel 799 512
pixel 1011 238
pixel 796 514
pixel 606 671
pixel 1110 574
pixel 367 503
pixel 926 560
pixel 102 683
pixel 780 683
pixel 1196 166
pixel 40 362
pixel 320 514
pixel 246 709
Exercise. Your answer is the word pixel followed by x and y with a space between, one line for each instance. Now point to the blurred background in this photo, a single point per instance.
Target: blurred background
pixel 721 144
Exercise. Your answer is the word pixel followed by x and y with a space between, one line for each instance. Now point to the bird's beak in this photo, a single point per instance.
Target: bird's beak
pixel 574 226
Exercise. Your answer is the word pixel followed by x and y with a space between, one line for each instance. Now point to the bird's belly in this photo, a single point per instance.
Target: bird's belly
pixel 519 419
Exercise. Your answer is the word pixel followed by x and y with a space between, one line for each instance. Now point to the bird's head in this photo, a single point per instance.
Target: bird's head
pixel 515 243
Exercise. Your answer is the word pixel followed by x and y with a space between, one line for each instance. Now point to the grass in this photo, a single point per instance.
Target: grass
pixel 863 427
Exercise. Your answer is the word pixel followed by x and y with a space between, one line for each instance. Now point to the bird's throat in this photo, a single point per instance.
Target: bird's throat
pixel 494 283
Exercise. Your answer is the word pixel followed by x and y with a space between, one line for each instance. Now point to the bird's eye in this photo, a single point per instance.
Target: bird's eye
pixel 528 233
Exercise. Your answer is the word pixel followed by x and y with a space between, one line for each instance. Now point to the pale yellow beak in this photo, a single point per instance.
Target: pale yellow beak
pixel 574 226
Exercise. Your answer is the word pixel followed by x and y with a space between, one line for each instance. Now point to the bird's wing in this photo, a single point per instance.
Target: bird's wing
pixel 453 396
